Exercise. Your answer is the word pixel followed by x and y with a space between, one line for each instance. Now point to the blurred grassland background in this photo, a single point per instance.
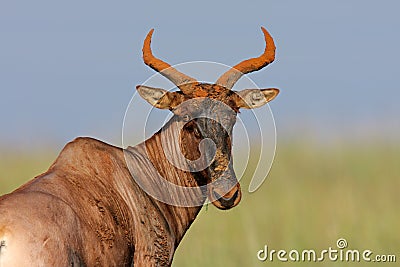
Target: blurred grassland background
pixel 313 195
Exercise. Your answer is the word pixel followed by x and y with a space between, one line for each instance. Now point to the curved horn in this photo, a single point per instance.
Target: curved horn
pixel 179 79
pixel 229 78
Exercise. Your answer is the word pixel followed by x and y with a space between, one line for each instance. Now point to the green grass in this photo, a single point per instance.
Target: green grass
pixel 312 196
pixel 17 168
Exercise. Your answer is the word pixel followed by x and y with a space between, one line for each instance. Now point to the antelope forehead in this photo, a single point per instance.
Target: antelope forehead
pixel 209 90
pixel 206 107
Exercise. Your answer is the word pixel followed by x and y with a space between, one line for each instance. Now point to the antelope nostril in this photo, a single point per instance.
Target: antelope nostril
pixel 225 199
pixel 235 195
pixel 225 202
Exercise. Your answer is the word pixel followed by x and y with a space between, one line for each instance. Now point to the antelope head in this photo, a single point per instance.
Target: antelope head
pixel 218 105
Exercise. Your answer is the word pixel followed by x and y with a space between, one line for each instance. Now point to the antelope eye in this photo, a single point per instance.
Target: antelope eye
pixel 186 118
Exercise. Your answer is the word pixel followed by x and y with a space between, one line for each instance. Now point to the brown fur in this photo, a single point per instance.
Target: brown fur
pixel 87 207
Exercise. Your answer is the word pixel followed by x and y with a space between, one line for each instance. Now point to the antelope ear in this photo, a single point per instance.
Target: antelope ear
pixel 254 98
pixel 160 98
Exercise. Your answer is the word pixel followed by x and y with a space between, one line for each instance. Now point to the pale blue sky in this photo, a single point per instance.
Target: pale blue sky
pixel 69 68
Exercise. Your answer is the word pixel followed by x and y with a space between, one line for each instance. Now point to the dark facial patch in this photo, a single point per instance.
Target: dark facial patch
pixel 211 118
pixel 216 123
pixel 75 259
